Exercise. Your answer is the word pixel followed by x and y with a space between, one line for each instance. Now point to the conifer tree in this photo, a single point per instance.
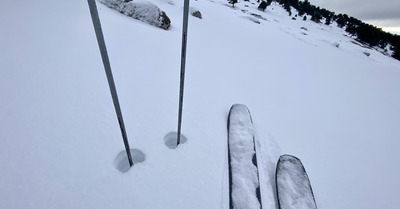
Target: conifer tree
pixel 340 21
pixel 233 2
pixel 263 5
pixel 396 53
pixel 328 20
pixel 316 17
pixel 286 5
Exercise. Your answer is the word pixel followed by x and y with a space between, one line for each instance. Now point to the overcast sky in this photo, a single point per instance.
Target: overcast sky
pixel 384 14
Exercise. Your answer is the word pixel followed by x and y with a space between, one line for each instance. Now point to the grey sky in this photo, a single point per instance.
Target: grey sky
pixel 384 13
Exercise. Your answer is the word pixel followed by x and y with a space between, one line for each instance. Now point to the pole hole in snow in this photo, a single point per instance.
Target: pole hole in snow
pixel 171 138
pixel 121 162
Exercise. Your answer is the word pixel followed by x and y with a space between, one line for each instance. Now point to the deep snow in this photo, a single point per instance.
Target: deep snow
pixel 334 108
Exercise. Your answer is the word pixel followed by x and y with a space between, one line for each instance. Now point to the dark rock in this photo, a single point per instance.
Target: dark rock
pixel 197 14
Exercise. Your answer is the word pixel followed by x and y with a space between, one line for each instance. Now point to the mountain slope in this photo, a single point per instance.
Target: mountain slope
pixel 335 108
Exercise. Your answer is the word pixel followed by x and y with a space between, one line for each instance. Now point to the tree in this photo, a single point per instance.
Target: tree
pixel 316 17
pixel 263 5
pixel 351 29
pixel 286 5
pixel 294 3
pixel 233 2
pixel 396 53
pixel 328 20
pixel 340 21
pixel 307 7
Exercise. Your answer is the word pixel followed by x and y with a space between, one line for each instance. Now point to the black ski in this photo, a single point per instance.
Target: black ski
pixel 244 187
pixel 292 184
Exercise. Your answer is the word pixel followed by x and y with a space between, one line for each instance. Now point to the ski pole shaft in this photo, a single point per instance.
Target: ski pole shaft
pixel 183 66
pixel 107 67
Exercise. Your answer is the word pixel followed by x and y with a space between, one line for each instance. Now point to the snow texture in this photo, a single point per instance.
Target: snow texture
pixel 333 107
pixel 142 10
pixel 268 154
pixel 241 148
pixel 293 186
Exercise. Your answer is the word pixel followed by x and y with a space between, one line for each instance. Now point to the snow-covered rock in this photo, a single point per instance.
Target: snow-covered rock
pixel 195 12
pixel 142 10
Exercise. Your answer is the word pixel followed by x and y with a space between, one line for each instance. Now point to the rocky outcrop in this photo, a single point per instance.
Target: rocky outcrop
pixel 142 10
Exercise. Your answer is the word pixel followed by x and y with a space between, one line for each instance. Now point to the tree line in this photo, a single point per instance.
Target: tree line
pixel 365 33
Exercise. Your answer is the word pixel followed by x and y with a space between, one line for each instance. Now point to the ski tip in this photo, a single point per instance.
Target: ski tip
pixel 287 157
pixel 287 161
pixel 291 179
pixel 235 107
pixel 238 107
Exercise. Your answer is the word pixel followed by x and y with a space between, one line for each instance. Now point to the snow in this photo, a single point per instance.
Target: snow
pixel 333 107
pixel 121 162
pixel 170 140
pixel 241 149
pixel 294 188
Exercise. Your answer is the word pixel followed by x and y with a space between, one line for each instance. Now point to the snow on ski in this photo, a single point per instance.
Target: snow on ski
pixel 292 184
pixel 244 187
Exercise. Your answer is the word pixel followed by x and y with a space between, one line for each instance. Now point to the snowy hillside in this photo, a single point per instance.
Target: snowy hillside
pixel 311 91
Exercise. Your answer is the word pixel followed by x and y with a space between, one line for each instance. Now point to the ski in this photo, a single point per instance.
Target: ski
pixel 292 184
pixel 244 187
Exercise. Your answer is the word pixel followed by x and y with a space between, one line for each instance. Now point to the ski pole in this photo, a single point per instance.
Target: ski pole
pixel 107 67
pixel 183 63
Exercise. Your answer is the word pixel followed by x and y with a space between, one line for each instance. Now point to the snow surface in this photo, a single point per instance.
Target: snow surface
pixel 333 107
pixel 241 148
pixel 294 188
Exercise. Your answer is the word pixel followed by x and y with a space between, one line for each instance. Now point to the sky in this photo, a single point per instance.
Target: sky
pixel 384 14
